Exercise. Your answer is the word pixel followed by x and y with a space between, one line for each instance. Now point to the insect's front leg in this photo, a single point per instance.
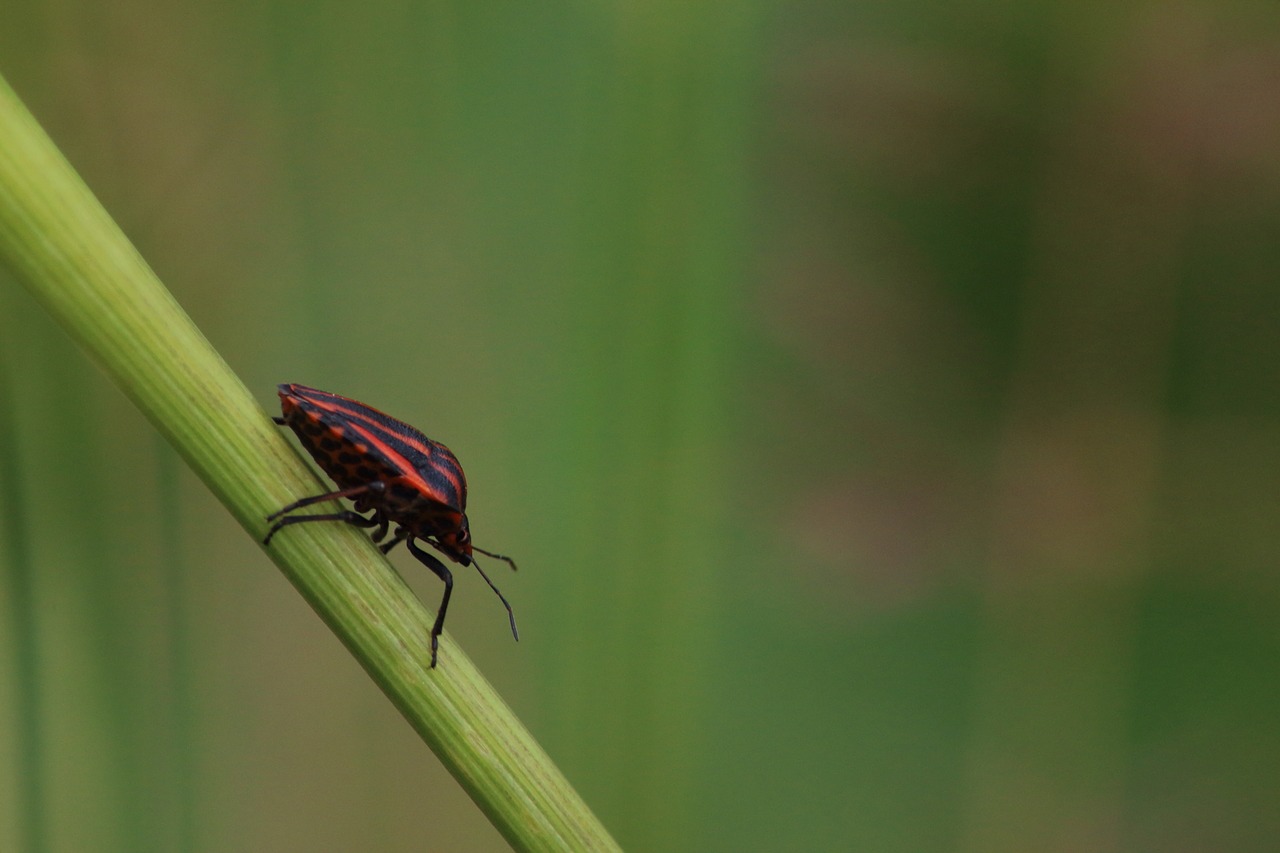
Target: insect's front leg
pixel 445 575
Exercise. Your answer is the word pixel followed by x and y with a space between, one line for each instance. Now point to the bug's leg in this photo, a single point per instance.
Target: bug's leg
pixel 510 615
pixel 376 487
pixel 382 521
pixel 395 540
pixel 279 421
pixel 445 575
pixel 346 515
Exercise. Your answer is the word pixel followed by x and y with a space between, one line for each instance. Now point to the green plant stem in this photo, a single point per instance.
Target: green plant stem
pixel 66 249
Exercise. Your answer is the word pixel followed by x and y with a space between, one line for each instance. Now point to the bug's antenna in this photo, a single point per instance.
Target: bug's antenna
pixel 510 562
pixel 501 597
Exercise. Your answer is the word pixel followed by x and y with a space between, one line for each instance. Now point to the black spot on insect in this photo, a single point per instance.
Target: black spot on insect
pixel 349 458
pixel 364 472
pixel 330 443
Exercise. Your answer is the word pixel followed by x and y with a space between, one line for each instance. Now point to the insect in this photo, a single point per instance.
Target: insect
pixel 388 468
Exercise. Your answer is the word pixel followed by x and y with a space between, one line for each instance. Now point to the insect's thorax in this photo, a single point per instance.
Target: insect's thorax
pixel 404 505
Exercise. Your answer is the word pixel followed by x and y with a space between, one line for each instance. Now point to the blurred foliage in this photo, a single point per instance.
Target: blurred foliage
pixel 879 400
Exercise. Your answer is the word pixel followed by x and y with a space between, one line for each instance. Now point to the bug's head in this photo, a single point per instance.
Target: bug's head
pixel 457 542
pixel 457 545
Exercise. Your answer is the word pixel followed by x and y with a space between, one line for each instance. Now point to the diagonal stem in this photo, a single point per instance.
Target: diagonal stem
pixel 65 248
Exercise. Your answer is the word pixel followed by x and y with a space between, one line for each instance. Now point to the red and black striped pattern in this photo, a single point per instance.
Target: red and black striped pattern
pixel 385 466
pixel 356 444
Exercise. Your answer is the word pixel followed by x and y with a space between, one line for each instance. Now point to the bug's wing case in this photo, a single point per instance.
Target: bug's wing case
pixel 427 466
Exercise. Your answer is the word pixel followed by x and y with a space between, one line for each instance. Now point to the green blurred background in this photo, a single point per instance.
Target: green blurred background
pixel 879 398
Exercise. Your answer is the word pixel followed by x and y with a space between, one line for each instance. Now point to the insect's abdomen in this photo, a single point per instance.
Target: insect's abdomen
pixel 339 455
pixel 356 444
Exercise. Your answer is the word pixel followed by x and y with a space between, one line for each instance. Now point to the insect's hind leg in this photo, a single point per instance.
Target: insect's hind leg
pixel 349 516
pixel 376 487
pixel 376 520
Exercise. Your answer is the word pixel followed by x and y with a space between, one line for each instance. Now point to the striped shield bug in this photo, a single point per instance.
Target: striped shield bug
pixel 391 471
